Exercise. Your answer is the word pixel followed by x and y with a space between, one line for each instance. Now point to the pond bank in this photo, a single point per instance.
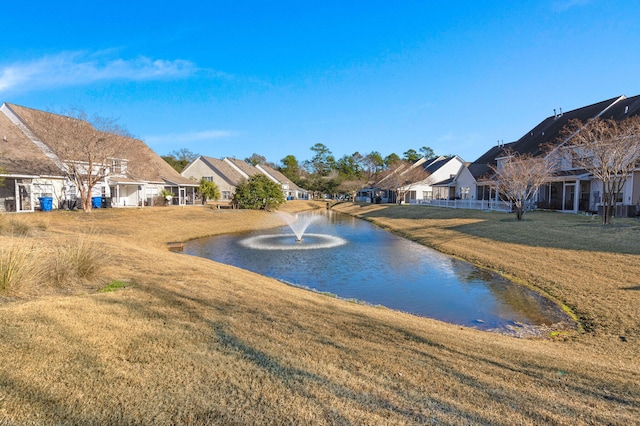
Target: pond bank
pixel 190 341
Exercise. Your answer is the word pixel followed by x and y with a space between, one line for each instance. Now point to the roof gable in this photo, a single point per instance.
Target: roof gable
pixel 223 170
pixel 438 163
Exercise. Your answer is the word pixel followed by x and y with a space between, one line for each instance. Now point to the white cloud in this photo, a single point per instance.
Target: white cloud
pixel 188 137
pixel 80 68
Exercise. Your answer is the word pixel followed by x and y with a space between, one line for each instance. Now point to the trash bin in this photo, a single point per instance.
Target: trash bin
pixel 96 202
pixel 46 203
pixel 106 202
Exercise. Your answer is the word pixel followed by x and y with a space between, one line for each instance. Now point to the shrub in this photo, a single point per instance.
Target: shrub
pixel 208 191
pixel 164 194
pixel 258 193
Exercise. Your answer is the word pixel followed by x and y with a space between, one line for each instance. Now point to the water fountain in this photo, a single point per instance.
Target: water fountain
pixel 300 241
pixel 296 224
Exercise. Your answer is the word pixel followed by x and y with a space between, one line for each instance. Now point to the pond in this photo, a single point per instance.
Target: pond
pixel 354 259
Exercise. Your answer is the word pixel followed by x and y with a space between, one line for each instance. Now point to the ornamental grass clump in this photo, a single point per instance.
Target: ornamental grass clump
pixel 14 227
pixel 81 259
pixel 18 264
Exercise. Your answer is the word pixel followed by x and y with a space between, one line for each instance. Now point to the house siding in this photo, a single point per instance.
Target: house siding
pixel 465 182
pixel 199 169
pixel 445 171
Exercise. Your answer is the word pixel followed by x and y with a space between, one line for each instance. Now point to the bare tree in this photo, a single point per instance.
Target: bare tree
pixel 89 148
pixel 609 150
pixel 180 158
pixel 402 177
pixel 519 177
pixel 352 187
pixel 184 154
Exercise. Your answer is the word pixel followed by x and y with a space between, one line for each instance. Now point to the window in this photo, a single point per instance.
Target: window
pixel 43 190
pixel 207 178
pixel 464 192
pixel 620 198
pixel 118 166
pixel 226 195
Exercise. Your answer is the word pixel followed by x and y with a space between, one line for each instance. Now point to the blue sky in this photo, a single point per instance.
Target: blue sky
pixel 233 78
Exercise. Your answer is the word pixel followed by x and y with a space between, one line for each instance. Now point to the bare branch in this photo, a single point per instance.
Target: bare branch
pixel 609 150
pixel 86 147
pixel 519 176
pixel 402 177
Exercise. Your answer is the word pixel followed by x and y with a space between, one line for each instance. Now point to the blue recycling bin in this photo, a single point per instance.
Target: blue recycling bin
pixel 96 202
pixel 46 203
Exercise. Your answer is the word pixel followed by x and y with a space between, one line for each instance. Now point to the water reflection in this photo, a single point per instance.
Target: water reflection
pixel 382 269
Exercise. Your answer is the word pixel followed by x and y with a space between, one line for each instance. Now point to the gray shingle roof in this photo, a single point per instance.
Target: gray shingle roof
pixel 548 133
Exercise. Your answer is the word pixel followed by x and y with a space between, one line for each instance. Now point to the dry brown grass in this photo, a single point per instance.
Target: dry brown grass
pixel 573 258
pixel 189 341
pixel 18 264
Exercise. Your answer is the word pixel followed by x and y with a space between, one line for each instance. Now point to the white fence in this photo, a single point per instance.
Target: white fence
pixel 502 206
pixel 491 205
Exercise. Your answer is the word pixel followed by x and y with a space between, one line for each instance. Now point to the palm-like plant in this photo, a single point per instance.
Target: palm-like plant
pixel 208 190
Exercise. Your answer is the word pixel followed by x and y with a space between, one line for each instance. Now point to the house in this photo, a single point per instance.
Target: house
pixel 27 173
pixel 35 167
pixel 569 189
pixel 420 191
pixel 224 173
pixel 439 170
pixel 384 191
pixel 228 173
pixel 291 190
